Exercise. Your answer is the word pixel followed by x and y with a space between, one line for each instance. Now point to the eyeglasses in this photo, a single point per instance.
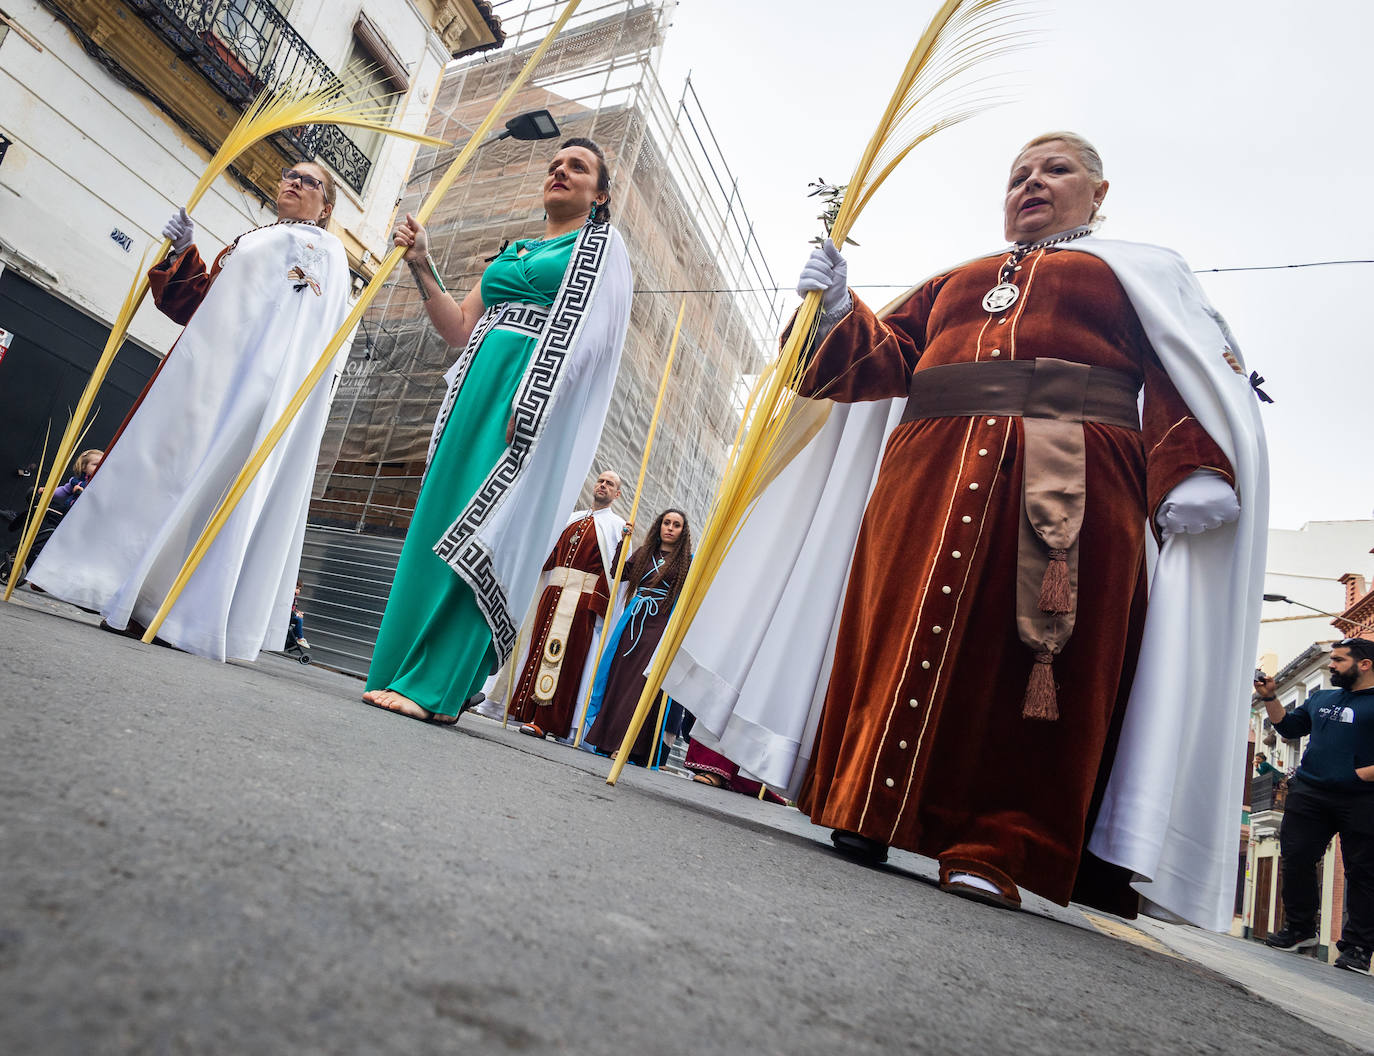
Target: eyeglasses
pixel 303 178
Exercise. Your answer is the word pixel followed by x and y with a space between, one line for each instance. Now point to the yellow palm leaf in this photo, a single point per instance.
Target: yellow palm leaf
pixel 290 105
pixel 934 92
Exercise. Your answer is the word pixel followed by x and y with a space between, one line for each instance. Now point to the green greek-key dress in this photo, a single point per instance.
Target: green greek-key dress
pixel 434 645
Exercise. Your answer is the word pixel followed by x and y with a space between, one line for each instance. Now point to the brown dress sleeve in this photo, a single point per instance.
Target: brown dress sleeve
pixel 867 358
pixel 179 283
pixel 1175 443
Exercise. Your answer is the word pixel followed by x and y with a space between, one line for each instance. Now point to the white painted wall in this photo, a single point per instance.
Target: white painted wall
pixel 89 156
pixel 1306 565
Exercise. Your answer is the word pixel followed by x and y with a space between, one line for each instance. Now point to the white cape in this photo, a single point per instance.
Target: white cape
pixel 755 664
pixel 234 369
pixel 500 541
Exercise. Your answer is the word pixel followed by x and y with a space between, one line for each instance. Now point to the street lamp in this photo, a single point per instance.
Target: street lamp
pixel 535 124
pixel 1289 601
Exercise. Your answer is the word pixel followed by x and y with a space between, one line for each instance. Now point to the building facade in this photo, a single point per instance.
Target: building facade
pixel 112 109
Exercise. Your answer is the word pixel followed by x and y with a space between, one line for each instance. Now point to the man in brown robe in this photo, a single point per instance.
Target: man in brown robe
pixel 563 631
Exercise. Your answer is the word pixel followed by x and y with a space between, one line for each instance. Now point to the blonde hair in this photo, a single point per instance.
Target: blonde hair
pixel 1087 156
pixel 79 466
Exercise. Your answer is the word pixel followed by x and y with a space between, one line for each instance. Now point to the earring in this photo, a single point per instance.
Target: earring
pixel 592 215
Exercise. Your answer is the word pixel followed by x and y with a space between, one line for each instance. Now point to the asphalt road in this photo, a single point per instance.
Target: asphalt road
pixel 206 858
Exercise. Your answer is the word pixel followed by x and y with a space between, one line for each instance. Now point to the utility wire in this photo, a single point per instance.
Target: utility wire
pixel 906 285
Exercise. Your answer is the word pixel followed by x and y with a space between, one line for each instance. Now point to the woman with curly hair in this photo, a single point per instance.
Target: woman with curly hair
pixel 653 579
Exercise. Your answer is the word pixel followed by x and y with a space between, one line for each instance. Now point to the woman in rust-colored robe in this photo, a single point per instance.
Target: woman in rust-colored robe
pixel 928 740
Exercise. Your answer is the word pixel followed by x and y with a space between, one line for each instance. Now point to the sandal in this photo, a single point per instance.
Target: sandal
pixel 954 870
pixel 705 777
pixel 390 700
pixel 529 729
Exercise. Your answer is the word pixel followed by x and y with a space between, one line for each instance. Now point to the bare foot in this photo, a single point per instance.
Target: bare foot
pixel 393 701
pixel 390 700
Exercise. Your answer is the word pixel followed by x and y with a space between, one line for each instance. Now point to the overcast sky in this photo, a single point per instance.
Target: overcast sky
pixel 1235 131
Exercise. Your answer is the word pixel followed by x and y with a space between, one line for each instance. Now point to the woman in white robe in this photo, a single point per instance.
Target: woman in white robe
pixel 256 322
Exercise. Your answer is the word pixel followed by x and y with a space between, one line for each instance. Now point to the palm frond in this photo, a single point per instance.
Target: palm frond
pixel 935 92
pixel 292 105
pixel 289 105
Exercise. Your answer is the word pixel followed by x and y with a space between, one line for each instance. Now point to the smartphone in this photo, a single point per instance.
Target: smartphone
pixel 1260 676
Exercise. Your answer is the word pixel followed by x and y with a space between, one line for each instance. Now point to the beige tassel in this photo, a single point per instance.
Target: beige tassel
pixel 1055 597
pixel 1041 701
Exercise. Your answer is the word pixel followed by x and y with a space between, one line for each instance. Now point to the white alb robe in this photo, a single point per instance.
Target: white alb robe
pixel 249 345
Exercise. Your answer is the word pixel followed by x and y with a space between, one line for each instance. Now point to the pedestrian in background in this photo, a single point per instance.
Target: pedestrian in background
pixel 1331 794
pixel 84 467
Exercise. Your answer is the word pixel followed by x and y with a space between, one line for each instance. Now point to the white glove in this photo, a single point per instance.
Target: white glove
pixel 181 231
pixel 826 270
pixel 1202 501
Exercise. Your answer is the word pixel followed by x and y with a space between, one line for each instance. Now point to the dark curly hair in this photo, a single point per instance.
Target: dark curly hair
pixel 674 571
pixel 602 213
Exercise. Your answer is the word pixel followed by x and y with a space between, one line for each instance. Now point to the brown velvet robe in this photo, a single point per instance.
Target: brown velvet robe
pixel 577 548
pixel 922 743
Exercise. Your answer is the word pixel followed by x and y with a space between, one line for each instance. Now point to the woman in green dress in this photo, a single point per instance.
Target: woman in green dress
pixel 541 336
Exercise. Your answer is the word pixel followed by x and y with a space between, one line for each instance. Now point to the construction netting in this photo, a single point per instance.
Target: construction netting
pixel 677 206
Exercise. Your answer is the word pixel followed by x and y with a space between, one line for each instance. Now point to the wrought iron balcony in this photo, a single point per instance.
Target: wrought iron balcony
pixel 1267 792
pixel 243 46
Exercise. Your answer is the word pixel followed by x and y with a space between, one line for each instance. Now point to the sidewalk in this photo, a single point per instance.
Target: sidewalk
pixel 1341 1003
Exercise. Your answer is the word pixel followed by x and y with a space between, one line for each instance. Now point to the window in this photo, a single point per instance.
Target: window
pixel 251 30
pixel 373 72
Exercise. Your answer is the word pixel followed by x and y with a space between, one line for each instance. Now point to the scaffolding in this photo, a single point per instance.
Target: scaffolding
pixel 675 202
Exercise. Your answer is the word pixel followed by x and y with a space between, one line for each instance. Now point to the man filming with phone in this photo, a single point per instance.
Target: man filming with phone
pixel 1331 794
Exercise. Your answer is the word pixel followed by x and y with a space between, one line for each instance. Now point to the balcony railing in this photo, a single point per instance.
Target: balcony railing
pixel 243 46
pixel 1267 792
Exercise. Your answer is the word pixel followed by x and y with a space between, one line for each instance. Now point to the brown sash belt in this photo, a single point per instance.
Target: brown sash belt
pixel 1028 388
pixel 1052 398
